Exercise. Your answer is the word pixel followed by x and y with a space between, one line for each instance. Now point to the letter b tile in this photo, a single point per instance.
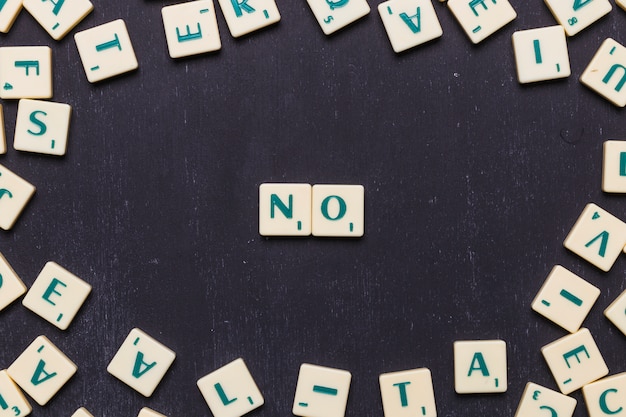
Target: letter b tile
pixel 141 362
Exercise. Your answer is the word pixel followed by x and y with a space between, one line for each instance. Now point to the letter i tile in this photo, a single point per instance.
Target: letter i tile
pixel 537 400
pixel 574 361
pixel 231 391
pixel 106 51
pixel 606 73
pixel 597 236
pixel 408 393
pixel 8 14
pixel 480 366
pixel 333 15
pixel 606 397
pixel 58 17
pixel 321 391
pixel 12 401
pixel 246 16
pixel 409 22
pixel 15 193
pixel 42 370
pixel 11 286
pixel 141 362
pixel 57 295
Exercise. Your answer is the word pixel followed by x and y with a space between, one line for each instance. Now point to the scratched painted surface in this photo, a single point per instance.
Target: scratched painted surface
pixel 472 183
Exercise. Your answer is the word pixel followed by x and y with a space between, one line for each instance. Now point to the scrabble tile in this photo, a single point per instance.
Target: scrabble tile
pixel 106 51
pixel 284 209
pixel 146 412
pixel 11 286
pixel 141 362
pixel 12 401
pixel 614 166
pixel 480 366
pixel 57 295
pixel 481 18
pixel 42 370
pixel 597 236
pixel 621 3
pixel 338 210
pixel 616 312
pixel 409 22
pixel 25 72
pixel 541 54
pixel 607 396
pixel 333 15
pixel 565 298
pixel 321 392
pixel 574 360
pixel 576 15
pixel 408 393
pixel 58 17
pixel 537 400
pixel 15 193
pixel 42 127
pixel 191 28
pixel 9 9
pixel 231 391
pixel 82 412
pixel 246 16
pixel 606 73
pixel 3 138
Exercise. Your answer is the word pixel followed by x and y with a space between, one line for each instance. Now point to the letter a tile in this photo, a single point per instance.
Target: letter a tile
pixel 606 73
pixel 41 370
pixel 409 22
pixel 231 391
pixel 141 362
pixel 25 72
pixel 597 236
pixel 480 366
pixel 574 361
pixel 606 397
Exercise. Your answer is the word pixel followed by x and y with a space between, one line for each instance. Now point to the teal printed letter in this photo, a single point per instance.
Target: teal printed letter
pixel 287 211
pixel 137 371
pixel 604 407
pixel 241 6
pixel 51 290
pixel 35 121
pixel 482 366
pixel 575 353
pixel 402 387
pixel 37 379
pixel 342 207
pixel 336 4
pixel 408 20
pixel 605 239
pixel 57 6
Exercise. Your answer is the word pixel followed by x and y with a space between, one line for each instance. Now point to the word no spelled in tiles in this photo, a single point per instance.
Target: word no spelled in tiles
pixel 58 17
pixel 576 15
pixel 299 210
pixel 606 397
pixel 246 16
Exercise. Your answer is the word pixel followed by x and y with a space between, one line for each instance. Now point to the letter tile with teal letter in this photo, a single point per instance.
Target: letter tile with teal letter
pixel 541 401
pixel 606 73
pixel 321 391
pixel 408 393
pixel 597 236
pixel 12 401
pixel 9 9
pixel 576 15
pixel 191 28
pixel 574 360
pixel 56 295
pixel 230 391
pixel 11 286
pixel 82 412
pixel 480 366
pixel 146 412
pixel 333 15
pixel 42 127
pixel 246 16
pixel 606 397
pixel 141 362
pixel 616 312
pixel 565 298
pixel 42 370
pixel 482 18
pixel 614 166
pixel 106 51
pixel 338 210
pixel 58 17
pixel 3 137
pixel 409 23
pixel 25 72
pixel 15 192
pixel 541 54
pixel 284 209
